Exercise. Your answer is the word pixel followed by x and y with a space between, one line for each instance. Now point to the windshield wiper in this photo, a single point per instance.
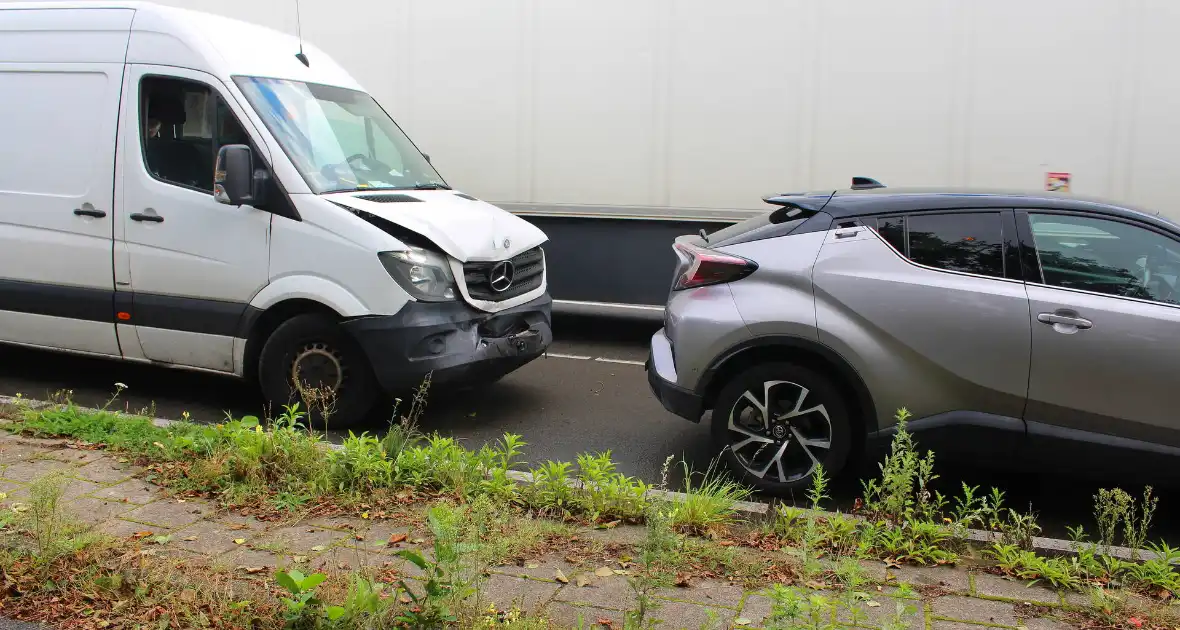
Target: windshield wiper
pixel 431 187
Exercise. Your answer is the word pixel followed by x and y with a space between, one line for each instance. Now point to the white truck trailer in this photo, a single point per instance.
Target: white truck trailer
pixel 615 125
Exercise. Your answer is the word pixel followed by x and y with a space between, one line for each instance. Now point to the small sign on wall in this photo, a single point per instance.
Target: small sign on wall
pixel 1057 182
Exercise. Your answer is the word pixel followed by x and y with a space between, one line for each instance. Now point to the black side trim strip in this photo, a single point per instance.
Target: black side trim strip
pixel 1080 437
pixel 959 419
pixel 169 312
pixel 209 317
pixel 85 303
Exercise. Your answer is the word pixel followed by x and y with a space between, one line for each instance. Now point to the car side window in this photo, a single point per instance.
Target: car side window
pixel 1105 256
pixel 183 124
pixel 969 242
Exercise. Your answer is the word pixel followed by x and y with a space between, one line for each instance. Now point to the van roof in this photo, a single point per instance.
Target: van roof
pixel 221 46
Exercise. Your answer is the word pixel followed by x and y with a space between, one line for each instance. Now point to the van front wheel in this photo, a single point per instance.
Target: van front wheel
pixel 309 360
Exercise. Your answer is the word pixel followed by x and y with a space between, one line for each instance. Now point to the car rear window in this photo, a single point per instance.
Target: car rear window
pixel 969 242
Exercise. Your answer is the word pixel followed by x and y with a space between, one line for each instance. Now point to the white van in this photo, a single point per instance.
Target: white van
pixel 183 189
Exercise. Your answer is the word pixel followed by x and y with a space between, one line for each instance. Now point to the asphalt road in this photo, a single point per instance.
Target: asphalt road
pixel 589 394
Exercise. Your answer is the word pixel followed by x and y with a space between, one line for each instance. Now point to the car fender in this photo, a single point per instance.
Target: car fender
pixel 313 288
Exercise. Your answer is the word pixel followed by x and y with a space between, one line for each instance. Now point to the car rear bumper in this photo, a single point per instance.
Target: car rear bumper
pixel 452 341
pixel 661 376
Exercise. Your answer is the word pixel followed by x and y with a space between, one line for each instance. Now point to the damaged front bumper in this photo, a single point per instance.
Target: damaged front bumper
pixel 453 341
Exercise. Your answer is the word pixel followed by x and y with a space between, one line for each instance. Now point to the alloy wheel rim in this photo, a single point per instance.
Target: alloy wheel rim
pixel 777 433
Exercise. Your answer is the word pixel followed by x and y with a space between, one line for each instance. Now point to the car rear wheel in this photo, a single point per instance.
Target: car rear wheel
pixel 309 360
pixel 776 423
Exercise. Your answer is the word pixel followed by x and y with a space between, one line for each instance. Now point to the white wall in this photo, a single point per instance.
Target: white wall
pixel 712 103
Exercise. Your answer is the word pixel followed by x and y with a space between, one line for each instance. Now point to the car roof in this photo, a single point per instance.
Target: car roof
pixel 877 201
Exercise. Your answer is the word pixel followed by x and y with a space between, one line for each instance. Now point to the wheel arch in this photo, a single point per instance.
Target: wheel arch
pixel 799 351
pixel 260 324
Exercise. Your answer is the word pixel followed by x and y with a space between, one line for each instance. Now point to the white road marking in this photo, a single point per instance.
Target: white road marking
pixel 558 355
pixel 623 361
pixel 582 357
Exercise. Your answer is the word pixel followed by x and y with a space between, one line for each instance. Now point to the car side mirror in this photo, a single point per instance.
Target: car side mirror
pixel 235 180
pixel 427 156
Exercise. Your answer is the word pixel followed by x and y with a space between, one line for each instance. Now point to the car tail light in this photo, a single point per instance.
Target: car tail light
pixel 706 267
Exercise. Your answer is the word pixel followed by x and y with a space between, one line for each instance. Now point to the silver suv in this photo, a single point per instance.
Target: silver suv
pixel 1012 326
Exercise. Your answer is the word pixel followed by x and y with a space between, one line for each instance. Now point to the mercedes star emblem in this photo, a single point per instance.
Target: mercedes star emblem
pixel 507 243
pixel 501 276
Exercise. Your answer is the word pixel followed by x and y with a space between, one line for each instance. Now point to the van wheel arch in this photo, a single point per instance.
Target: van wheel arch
pixel 808 354
pixel 265 323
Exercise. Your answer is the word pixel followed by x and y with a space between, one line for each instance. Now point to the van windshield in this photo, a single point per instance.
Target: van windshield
pixel 339 139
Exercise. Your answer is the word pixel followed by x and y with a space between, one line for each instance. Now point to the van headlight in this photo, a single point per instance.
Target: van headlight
pixel 423 273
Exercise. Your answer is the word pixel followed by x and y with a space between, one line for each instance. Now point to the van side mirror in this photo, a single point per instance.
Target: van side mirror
pixel 427 156
pixel 235 181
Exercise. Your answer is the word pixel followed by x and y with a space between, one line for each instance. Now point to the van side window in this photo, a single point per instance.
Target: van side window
pixel 183 124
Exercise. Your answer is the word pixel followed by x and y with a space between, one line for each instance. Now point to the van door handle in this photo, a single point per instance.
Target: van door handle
pixel 154 218
pixel 90 212
pixel 1065 320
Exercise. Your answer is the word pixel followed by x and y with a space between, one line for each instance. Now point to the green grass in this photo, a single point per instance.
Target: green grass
pixel 709 503
pixel 284 465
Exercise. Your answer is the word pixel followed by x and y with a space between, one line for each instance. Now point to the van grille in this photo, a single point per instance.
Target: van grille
pixel 528 271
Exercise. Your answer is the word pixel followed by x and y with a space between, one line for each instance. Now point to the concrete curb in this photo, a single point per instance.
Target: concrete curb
pixel 749 510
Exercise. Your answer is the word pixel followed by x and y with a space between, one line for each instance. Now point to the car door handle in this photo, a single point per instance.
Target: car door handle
pixel 1065 320
pixel 154 218
pixel 90 212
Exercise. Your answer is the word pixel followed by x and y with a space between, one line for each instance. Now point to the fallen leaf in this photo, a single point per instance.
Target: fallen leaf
pixel 253 570
pixel 683 579
pixel 239 541
pixel 299 559
pixel 396 538
pixel 741 621
pixel 532 565
pixel 815 586
pixel 603 621
pixel 872 604
pixel 582 580
pixel 1135 621
pixel 140 535
pixel 189 538
pixel 560 577
pixel 604 572
pixel 318 548
pixel 621 572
